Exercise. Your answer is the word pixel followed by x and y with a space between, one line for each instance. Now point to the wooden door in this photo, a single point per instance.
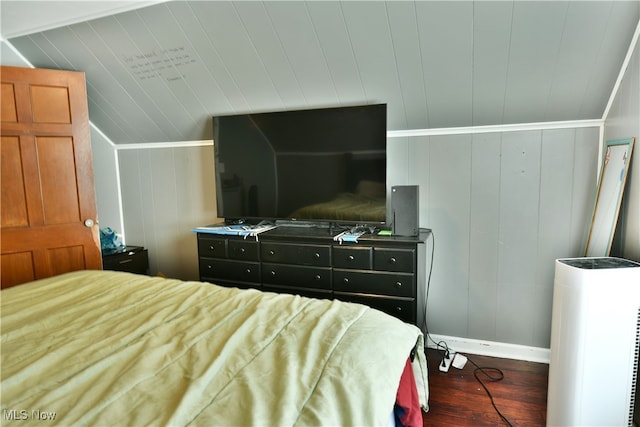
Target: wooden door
pixel 48 215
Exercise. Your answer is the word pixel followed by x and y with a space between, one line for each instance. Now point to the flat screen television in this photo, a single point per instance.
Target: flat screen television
pixel 314 165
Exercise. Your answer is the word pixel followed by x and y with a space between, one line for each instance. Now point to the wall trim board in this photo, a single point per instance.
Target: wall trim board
pixel 492 348
pixel 621 74
pixel 570 124
pixel 12 48
pixel 116 164
pixel 106 138
pixel 152 145
pixel 120 204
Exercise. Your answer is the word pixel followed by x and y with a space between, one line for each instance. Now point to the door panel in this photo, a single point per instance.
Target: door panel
pixel 18 267
pixel 65 259
pixel 9 111
pixel 50 104
pixel 57 171
pixel 47 176
pixel 14 201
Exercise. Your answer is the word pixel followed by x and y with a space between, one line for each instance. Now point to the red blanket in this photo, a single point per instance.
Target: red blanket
pixel 407 409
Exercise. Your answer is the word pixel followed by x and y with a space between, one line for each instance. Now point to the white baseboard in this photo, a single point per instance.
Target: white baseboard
pixel 491 348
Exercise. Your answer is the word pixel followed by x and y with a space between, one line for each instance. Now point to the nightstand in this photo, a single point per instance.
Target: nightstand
pixel 134 259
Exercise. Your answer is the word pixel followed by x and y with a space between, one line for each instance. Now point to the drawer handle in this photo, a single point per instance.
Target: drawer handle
pixel 248 271
pixel 210 267
pixel 318 277
pixel 398 308
pixel 317 255
pixel 273 273
pixel 351 257
pixel 242 250
pixel 272 252
pixel 345 280
pixel 211 247
pixel 398 285
pixel 124 261
pixel 392 260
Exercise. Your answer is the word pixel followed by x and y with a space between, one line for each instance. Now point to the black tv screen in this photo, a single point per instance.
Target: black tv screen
pixel 326 164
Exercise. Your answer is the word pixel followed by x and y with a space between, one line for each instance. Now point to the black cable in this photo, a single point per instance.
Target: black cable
pixel 443 347
pixel 440 346
pixel 499 377
pixel 426 296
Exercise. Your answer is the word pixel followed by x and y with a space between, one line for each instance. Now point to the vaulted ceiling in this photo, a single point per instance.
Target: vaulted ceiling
pixel 158 71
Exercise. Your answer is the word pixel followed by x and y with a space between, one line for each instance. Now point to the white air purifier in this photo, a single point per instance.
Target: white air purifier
pixel 594 342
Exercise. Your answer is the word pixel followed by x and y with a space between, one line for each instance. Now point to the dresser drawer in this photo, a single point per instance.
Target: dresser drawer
pixel 243 250
pixel 403 260
pixel 297 276
pixel 381 272
pixel 287 253
pixel 369 282
pixel 352 257
pixel 213 268
pixel 402 308
pixel 212 247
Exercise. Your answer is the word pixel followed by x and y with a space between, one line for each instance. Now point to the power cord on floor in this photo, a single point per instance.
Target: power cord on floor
pixel 498 376
pixel 426 298
pixel 443 348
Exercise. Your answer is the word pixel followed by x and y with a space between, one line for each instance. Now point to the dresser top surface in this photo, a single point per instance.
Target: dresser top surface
pixel 323 233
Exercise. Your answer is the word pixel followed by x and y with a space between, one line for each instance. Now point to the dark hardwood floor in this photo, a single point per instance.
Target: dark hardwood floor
pixel 456 398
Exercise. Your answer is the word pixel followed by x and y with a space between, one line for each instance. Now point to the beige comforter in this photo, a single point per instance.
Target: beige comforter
pixel 115 349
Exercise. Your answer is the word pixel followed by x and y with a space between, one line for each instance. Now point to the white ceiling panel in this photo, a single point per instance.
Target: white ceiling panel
pixel 370 38
pixel 583 31
pixel 610 49
pixel 259 25
pixel 21 17
pixel 137 79
pixel 124 108
pixel 333 34
pixel 296 34
pixel 492 27
pixel 533 56
pixel 446 39
pixel 403 23
pixel 216 85
pixel 159 72
pixel 231 43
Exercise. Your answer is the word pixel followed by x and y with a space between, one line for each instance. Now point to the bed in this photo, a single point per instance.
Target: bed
pixel 114 348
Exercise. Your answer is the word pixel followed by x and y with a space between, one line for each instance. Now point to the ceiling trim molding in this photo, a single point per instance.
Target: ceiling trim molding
pixel 100 10
pixel 496 128
pixel 150 145
pixel 623 70
pixel 102 135
pixel 571 124
pixel 6 43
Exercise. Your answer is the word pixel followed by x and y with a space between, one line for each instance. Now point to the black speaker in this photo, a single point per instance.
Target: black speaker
pixel 404 210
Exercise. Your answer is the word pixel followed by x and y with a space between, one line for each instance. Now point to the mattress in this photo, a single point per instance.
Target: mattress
pixel 114 348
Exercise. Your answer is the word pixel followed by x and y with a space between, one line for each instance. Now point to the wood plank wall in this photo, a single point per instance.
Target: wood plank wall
pixel 165 193
pixel 503 207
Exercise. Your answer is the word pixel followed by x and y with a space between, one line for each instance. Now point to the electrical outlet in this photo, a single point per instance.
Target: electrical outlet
pixel 445 364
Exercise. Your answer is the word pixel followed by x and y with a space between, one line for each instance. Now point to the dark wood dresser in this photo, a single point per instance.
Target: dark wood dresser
pixel 383 272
